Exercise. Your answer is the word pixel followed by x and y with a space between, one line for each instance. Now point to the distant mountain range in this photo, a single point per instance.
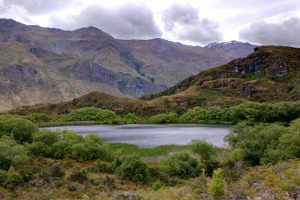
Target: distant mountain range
pixel 42 65
pixel 270 74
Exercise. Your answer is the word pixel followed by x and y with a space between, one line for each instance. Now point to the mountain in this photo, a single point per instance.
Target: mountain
pixel 270 74
pixel 48 65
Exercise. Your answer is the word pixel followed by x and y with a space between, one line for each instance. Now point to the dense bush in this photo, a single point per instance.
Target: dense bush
pixel 250 111
pixel 132 169
pixel 11 153
pixel 164 118
pixel 131 119
pixel 183 165
pixel 266 143
pixel 92 114
pixel 69 145
pixel 19 129
pixel 37 117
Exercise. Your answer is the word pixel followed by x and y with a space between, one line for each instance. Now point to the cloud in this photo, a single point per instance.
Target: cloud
pixel 184 23
pixel 284 33
pixel 125 22
pixel 39 6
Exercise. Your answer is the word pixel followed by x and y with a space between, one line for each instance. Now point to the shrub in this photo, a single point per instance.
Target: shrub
pixel 107 117
pixel 13 178
pixel 83 114
pixel 195 115
pixel 156 185
pixel 164 118
pixel 266 143
pixel 131 119
pixel 3 177
pixel 216 185
pixel 132 169
pixel 19 129
pixel 182 165
pixel 204 149
pixel 11 153
pixel 78 175
pixel 37 117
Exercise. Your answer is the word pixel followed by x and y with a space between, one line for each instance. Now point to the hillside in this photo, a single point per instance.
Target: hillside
pixel 270 74
pixel 68 64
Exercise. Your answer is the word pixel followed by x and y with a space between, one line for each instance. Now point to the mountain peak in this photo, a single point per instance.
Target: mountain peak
pixel 227 44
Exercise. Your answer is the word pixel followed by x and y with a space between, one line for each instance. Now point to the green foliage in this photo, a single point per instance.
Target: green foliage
pixel 102 116
pixel 83 114
pixel 216 185
pixel 164 118
pixel 69 145
pixel 183 165
pixel 19 129
pixel 11 153
pixel 37 117
pixel 132 169
pixel 131 119
pixel 102 167
pixel 266 143
pixel 204 149
pixel 251 111
pixel 156 185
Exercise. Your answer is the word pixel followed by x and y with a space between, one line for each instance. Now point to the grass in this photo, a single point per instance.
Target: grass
pixel 130 149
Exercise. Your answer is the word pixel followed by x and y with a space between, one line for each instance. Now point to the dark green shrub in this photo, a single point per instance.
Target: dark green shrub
pixel 56 171
pixel 19 129
pixel 107 117
pixel 183 165
pixel 132 169
pixel 13 178
pixel 102 167
pixel 3 177
pixel 11 153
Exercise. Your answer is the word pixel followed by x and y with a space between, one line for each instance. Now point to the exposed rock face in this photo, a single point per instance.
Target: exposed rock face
pixel 133 86
pixel 14 76
pixel 279 68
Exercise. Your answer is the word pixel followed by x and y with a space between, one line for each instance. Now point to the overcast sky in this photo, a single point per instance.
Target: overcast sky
pixel 196 22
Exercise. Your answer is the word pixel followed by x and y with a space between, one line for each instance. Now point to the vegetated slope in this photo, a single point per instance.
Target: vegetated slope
pixel 89 59
pixel 270 74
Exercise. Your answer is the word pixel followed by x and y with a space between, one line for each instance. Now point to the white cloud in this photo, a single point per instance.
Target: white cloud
pixel 282 33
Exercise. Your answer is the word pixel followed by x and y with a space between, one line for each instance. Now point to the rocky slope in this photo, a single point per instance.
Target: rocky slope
pixel 270 74
pixel 41 65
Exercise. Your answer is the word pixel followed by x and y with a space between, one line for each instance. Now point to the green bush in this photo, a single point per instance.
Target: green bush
pixel 19 129
pixel 11 153
pixel 164 118
pixel 102 116
pixel 216 187
pixel 156 185
pixel 78 175
pixel 132 169
pixel 131 119
pixel 183 165
pixel 83 114
pixel 50 144
pixel 37 117
pixel 266 143
pixel 195 115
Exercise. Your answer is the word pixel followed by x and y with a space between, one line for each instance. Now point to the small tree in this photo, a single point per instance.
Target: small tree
pixel 217 184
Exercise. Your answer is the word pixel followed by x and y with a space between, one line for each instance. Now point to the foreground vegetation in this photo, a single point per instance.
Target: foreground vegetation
pixel 65 165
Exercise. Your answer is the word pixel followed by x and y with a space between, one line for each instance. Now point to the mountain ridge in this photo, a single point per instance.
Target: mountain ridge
pixel 270 74
pixel 73 63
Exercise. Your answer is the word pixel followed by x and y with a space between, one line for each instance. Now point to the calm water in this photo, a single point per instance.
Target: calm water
pixel 145 135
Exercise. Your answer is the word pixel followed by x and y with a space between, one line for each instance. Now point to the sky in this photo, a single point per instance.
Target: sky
pixel 193 22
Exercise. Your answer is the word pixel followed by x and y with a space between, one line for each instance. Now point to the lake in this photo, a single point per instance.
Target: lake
pixel 150 135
